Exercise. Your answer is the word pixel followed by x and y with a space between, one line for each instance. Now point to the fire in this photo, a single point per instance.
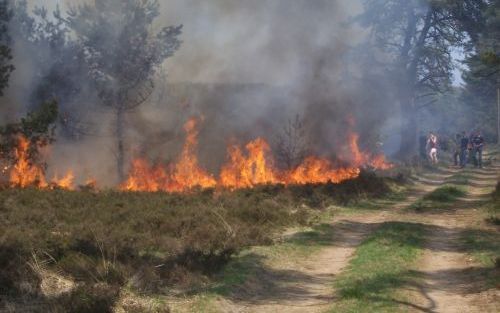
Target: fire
pixel 379 162
pixel 319 171
pixel 358 157
pixel 66 182
pixel 24 173
pixel 185 175
pixel 246 171
pixel 245 168
pixel 144 177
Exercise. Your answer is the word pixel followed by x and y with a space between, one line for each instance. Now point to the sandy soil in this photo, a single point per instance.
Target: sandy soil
pixel 450 281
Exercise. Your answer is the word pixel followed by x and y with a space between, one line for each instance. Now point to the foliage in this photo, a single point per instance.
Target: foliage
pixel 415 40
pixel 122 53
pixel 6 67
pixel 121 50
pixel 44 48
pixel 38 127
pixel 483 74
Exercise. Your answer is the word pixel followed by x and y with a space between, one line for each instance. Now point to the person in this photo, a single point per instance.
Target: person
pixel 464 149
pixel 477 149
pixel 455 145
pixel 432 144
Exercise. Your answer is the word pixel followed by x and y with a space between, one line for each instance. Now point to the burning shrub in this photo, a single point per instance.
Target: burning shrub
pixel 21 143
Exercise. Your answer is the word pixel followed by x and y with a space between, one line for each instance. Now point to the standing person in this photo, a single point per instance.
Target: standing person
pixel 455 145
pixel 464 149
pixel 477 149
pixel 432 144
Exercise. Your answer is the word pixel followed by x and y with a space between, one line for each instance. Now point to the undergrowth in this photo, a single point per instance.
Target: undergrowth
pixel 147 243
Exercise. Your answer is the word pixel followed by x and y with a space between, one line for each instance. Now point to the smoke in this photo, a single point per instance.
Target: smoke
pixel 246 67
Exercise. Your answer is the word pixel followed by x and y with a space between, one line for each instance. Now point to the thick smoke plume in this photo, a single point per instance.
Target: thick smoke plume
pixel 246 67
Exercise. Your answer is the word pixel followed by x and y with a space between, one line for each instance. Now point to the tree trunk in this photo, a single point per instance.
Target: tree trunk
pixel 409 129
pixel 120 141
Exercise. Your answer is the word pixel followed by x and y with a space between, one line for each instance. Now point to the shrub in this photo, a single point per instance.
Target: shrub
pixel 147 241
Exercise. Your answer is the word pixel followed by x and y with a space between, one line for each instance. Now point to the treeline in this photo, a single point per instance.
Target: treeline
pixel 108 54
pixel 98 54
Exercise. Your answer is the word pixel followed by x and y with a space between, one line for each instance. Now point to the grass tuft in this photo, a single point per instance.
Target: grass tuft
pixel 445 194
pixel 381 265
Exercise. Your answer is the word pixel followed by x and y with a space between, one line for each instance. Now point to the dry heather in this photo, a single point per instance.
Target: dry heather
pixel 76 251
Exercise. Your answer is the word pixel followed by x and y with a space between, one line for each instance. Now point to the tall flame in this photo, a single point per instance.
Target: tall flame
pixel 246 171
pixel 186 174
pixel 25 174
pixel 244 168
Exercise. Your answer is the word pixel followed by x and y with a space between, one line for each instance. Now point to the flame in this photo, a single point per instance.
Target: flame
pixel 245 168
pixel 379 162
pixel 66 182
pixel 91 183
pixel 144 177
pixel 25 174
pixel 319 171
pixel 185 175
pixel 246 171
pixel 358 157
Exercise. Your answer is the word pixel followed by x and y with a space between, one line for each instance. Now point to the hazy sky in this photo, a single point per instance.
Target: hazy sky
pixel 266 41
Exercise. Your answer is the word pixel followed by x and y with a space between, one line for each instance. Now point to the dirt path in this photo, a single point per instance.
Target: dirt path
pixel 307 286
pixel 452 282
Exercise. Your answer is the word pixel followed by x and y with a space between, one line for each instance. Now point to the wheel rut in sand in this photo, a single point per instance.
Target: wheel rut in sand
pixel 308 286
pixel 452 281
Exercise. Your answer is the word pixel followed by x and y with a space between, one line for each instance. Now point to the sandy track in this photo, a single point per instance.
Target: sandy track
pixel 452 282
pixel 308 286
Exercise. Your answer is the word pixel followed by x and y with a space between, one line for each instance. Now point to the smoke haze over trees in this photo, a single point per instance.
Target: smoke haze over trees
pixel 246 67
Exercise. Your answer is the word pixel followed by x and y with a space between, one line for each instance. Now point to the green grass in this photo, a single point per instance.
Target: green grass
pixel 447 193
pixel 382 264
pixel 441 198
pixel 375 204
pixel 483 245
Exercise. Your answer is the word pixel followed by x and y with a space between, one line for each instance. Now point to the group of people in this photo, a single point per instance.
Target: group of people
pixel 466 147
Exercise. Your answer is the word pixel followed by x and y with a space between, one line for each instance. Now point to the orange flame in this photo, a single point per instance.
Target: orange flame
pixel 25 174
pixel 320 171
pixel 244 172
pixel 245 168
pixel 185 175
pixel 66 182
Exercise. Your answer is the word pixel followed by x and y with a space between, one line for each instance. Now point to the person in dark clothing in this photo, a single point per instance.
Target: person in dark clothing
pixel 477 149
pixel 464 149
pixel 455 144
